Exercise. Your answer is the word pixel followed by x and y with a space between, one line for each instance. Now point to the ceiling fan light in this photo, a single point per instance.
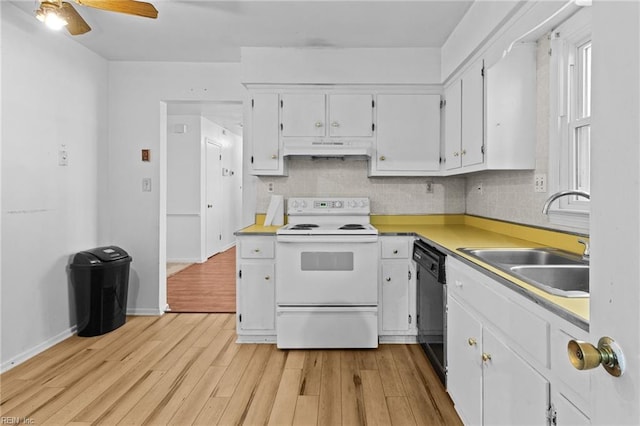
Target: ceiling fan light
pixel 54 21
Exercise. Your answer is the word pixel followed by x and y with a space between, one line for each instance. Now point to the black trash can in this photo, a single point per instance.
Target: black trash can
pixel 100 277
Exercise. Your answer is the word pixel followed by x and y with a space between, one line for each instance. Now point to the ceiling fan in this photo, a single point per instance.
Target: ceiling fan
pixel 57 13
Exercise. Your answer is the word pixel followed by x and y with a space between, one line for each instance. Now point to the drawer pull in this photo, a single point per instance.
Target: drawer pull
pixel 395 251
pixel 256 250
pixel 388 279
pixel 472 341
pixel 267 278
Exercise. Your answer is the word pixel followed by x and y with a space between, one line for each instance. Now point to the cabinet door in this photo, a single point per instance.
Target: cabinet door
pixel 453 125
pixel 351 115
pixel 464 362
pixel 265 154
pixel 303 114
pixel 567 414
pixel 408 136
pixel 395 296
pixel 473 115
pixel 257 296
pixel 514 393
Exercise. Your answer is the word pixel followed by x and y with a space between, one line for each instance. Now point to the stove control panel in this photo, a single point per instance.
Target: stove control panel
pixel 355 205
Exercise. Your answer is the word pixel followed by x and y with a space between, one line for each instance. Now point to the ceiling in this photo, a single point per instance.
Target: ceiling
pixel 214 31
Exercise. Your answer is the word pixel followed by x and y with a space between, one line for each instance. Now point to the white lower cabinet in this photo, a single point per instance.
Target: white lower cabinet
pixel 255 299
pixel 506 356
pixel 397 290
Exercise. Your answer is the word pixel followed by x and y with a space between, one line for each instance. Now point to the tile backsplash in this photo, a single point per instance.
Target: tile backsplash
pixel 388 195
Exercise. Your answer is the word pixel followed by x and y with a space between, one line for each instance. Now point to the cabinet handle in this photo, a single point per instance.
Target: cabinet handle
pixel 382 158
pixel 256 251
pixel 486 357
pixel 472 341
pixel 267 278
pixel 274 156
pixel 388 279
pixel 318 124
pixel 456 154
pixel 395 252
pixel 335 124
pixel 464 151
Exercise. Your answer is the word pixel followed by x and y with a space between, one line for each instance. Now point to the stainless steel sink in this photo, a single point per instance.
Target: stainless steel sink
pixel 561 280
pixel 554 271
pixel 524 256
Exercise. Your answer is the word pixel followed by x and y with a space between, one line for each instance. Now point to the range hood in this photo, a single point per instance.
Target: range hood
pixel 327 148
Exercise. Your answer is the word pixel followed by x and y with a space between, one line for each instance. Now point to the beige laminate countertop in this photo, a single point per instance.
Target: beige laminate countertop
pixel 451 232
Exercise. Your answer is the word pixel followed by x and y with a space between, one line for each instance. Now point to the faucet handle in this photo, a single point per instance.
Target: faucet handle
pixel 587 251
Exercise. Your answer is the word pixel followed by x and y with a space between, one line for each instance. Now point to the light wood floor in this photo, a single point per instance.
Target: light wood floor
pixel 205 287
pixel 186 369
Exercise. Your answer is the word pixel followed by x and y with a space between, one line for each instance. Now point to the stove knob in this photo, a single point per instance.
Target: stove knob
pixel 338 204
pixel 353 204
pixel 294 204
pixel 363 203
pixel 303 204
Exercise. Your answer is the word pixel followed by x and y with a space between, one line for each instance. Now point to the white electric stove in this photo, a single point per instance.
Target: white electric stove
pixel 327 275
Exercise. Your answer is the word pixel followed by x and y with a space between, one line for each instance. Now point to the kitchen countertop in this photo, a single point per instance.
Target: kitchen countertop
pixel 451 232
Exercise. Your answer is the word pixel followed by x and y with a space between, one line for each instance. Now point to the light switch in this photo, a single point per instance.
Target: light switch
pixel 146 185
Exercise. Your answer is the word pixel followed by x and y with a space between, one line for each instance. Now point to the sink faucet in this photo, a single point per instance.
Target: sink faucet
pixel 552 198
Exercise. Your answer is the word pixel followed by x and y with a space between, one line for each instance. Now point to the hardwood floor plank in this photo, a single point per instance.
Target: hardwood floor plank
pixel 351 390
pixel 29 407
pixel 367 359
pixel 400 411
pixel 295 359
pixel 389 372
pixel 154 400
pixel 330 402
pixel 260 408
pixel 212 411
pixel 311 373
pixel 215 325
pixel 234 372
pixel 196 401
pixel 306 413
pixel 15 392
pixel 375 404
pixel 284 404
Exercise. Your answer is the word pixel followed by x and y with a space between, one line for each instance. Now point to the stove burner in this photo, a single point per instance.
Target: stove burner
pixel 304 226
pixel 352 226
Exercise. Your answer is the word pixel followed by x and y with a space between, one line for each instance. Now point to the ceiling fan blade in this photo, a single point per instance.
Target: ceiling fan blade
pixel 131 7
pixel 75 24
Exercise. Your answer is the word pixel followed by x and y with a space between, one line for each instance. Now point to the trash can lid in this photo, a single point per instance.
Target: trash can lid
pixel 100 255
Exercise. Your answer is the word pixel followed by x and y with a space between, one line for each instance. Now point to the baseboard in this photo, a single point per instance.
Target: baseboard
pixel 397 339
pixel 256 339
pixel 20 358
pixel 228 246
pixel 185 260
pixel 145 311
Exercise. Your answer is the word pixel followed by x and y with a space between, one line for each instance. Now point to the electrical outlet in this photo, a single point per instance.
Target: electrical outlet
pixel 63 158
pixel 479 188
pixel 540 182
pixel 146 185
pixel 429 187
pixel 270 186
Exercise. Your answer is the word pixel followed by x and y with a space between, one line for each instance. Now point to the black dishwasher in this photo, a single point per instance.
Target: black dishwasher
pixel 431 301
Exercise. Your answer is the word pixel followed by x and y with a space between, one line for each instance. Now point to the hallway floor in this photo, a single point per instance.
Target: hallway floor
pixel 205 287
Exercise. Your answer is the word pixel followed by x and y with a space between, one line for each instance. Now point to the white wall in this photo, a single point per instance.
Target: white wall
pixel 53 94
pixel 137 93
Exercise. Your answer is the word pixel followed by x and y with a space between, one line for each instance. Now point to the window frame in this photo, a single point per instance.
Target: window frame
pixel 566 42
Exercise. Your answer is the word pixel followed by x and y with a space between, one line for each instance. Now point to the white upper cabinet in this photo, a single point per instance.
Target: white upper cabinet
pixel 408 135
pixel 303 114
pixel 266 158
pixel 490 115
pixel 327 115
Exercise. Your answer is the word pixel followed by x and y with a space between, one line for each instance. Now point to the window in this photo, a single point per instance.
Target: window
pixel 570 132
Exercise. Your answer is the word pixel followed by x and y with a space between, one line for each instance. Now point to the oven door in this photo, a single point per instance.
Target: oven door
pixel 327 270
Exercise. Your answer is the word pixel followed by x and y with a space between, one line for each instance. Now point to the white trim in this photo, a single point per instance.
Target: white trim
pixel 398 339
pixel 145 311
pixel 185 260
pixel 256 339
pixel 30 353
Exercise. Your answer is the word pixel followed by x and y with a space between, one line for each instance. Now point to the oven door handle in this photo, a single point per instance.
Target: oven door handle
pixel 310 239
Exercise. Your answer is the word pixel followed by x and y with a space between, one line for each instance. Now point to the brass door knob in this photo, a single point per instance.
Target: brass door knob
pixel 486 357
pixel 585 356
pixel 472 341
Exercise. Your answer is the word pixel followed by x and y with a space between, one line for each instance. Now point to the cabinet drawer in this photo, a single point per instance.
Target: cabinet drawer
pixel 395 247
pixel 258 248
pixel 577 380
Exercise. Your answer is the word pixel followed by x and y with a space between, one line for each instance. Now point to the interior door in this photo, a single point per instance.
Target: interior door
pixel 213 198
